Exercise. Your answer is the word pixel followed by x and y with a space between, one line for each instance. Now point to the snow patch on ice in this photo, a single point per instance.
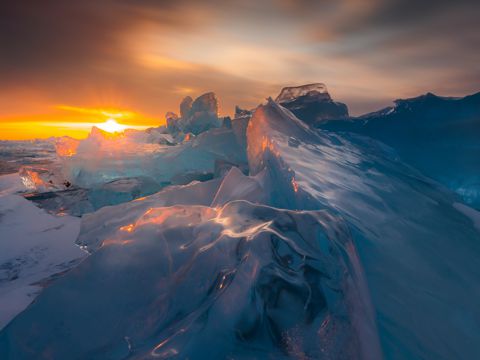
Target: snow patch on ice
pixel 33 247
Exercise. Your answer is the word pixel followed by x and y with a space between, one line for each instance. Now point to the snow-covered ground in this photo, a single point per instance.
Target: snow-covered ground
pixel 34 246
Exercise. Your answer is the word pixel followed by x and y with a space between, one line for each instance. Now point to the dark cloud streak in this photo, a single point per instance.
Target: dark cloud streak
pixel 53 45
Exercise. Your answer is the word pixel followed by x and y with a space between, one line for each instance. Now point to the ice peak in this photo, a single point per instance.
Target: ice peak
pixel 291 93
pixel 207 102
pixel 198 115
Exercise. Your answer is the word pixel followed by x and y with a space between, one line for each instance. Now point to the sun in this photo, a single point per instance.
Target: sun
pixel 111 126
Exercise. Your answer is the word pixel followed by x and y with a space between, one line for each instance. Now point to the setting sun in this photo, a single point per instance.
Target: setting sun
pixel 111 126
pixel 240 179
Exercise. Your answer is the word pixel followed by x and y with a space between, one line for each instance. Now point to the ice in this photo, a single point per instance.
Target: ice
pixel 79 201
pixel 200 115
pixel 122 190
pixel 294 92
pixel 413 242
pixel 239 126
pixel 248 280
pixel 108 169
pixel 34 246
pixel 239 112
pixel 187 148
pixel 237 186
pixel 312 103
pixel 207 103
pixel 269 239
pixel 437 135
pixel 103 158
pixel 96 226
pixel 66 146
pixel 48 177
pixel 15 154
pixel 150 136
pixel 473 214
pixel 172 122
pixel 186 107
pixel 226 122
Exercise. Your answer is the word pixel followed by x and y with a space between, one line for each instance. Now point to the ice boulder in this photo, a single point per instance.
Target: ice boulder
pixel 292 93
pixel 311 103
pixel 205 103
pixel 185 107
pixel 66 146
pixel 79 201
pixel 172 122
pixel 48 177
pixel 240 123
pixel 200 115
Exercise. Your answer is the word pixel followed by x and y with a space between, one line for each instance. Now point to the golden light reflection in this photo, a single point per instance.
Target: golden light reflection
pixel 31 178
pixel 128 228
pixel 294 184
pixel 66 146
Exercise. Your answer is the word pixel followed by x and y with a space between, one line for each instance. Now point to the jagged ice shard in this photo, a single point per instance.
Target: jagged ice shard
pixel 326 246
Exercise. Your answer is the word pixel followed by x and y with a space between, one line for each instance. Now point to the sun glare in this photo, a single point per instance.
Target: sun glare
pixel 111 126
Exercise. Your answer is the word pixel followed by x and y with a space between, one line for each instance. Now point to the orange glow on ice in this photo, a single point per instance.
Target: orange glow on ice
pixel 128 228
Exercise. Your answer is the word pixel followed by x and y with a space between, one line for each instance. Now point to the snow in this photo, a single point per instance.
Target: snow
pixel 34 246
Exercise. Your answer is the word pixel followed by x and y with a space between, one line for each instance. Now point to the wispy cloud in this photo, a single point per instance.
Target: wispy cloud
pixel 146 55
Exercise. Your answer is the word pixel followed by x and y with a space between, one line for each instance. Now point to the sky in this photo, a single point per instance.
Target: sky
pixel 65 65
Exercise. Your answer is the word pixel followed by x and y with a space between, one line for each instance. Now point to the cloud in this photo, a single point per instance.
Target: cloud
pixel 147 54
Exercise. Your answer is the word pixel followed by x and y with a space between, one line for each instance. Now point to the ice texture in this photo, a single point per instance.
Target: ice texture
pixel 248 280
pixel 199 115
pixel 102 158
pixel 294 92
pixel 34 247
pixel 312 103
pixel 15 154
pixel 413 243
pixel 66 146
pixel 272 239
pixel 438 135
